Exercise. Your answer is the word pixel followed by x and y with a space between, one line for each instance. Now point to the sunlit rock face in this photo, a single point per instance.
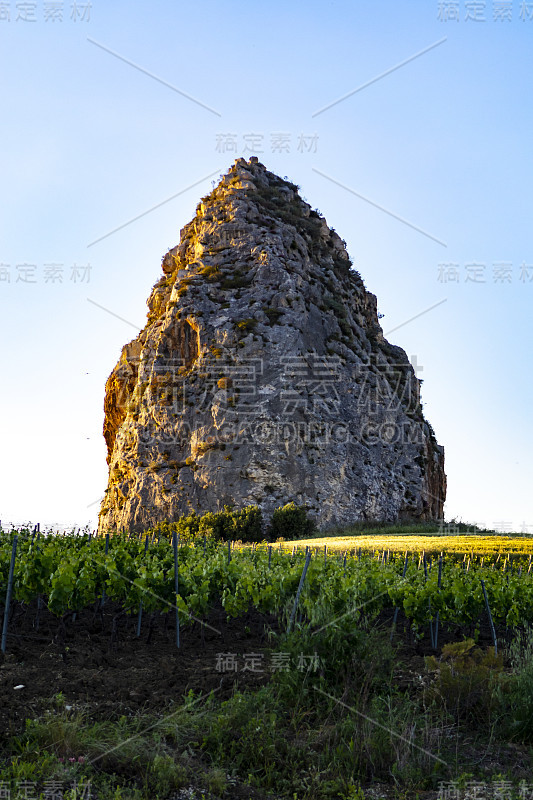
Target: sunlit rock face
pixel 262 376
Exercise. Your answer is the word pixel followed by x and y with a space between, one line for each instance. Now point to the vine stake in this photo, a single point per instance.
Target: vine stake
pixel 8 594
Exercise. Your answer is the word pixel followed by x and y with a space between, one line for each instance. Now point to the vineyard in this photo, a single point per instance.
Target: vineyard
pixel 190 637
pixel 161 577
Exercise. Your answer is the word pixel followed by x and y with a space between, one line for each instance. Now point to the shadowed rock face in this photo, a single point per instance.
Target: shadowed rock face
pixel 262 376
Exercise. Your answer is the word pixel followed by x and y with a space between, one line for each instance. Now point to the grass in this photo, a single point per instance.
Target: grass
pixel 319 734
pixel 285 737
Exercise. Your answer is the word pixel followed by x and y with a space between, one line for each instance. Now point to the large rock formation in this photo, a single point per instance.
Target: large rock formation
pixel 262 376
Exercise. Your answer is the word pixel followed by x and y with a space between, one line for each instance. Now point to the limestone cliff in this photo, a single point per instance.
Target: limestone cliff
pixel 262 376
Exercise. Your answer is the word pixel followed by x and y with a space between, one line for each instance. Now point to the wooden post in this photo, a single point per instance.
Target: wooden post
pixel 176 586
pixel 139 618
pixel 493 631
pixel 397 608
pixel 106 551
pixel 298 593
pixel 8 594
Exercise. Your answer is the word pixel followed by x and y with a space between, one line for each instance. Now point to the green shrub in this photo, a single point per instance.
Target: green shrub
pixel 336 306
pixel 211 272
pixel 273 314
pixel 165 774
pixel 228 525
pixel 247 324
pixel 291 522
pixel 345 328
pixel 236 281
pixel 250 524
pixel 244 525
pixel 466 679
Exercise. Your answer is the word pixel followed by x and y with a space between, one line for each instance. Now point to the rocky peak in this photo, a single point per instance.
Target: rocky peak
pixel 262 376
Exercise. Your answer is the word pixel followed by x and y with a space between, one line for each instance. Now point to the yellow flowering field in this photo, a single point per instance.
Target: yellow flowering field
pixel 477 544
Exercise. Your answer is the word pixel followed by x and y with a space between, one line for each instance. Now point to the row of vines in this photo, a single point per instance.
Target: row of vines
pixel 69 573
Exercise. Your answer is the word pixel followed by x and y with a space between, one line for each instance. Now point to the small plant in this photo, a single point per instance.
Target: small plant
pixel 165 774
pixel 237 281
pixel 335 305
pixel 247 324
pixel 345 328
pixel 273 314
pixel 211 272
pixel 203 447
pixel 466 679
pixel 216 781
pixel 225 383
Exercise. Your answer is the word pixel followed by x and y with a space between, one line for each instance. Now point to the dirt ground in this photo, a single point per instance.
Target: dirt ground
pixel 98 661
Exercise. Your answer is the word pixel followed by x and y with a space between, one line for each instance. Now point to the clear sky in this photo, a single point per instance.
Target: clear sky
pixel 117 116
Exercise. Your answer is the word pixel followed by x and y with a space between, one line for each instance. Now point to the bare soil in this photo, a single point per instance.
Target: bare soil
pixel 98 661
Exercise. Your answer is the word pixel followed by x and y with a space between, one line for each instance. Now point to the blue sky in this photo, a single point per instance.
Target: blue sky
pixel 432 154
